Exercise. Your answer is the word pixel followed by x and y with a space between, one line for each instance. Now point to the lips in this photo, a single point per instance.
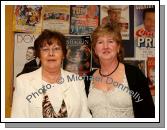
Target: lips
pixel 51 60
pixel 106 52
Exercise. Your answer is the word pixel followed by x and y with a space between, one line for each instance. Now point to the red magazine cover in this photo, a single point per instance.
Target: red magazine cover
pixel 151 74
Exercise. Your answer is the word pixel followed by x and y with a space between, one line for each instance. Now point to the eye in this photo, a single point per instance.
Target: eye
pixel 111 41
pixel 56 48
pixel 99 42
pixel 45 49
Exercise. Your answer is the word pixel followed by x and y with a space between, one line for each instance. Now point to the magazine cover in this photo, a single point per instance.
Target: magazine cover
pixel 144 25
pixel 151 74
pixel 56 18
pixel 117 15
pixel 84 19
pixel 141 64
pixel 24 54
pixel 78 54
pixel 27 18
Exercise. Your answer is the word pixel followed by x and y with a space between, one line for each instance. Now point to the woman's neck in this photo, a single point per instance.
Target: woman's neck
pixel 51 76
pixel 108 66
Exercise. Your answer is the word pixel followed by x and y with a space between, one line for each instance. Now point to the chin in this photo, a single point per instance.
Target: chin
pixel 107 58
pixel 52 67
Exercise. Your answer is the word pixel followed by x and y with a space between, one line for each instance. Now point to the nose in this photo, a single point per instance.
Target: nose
pixel 105 45
pixel 51 53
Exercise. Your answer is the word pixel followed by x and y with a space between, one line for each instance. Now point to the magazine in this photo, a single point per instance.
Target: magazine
pixel 151 74
pixel 24 54
pixel 144 25
pixel 116 15
pixel 27 18
pixel 84 19
pixel 56 18
pixel 78 54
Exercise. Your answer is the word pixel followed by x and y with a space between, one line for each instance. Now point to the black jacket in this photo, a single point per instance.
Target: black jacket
pixel 137 83
pixel 29 67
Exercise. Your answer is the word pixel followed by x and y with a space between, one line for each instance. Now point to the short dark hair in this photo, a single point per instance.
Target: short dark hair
pixel 32 48
pixel 46 37
pixel 148 10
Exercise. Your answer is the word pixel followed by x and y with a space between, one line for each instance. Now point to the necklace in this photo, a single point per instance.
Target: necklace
pixel 110 73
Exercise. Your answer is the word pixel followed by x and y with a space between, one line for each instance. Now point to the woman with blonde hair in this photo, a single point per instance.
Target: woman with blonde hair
pixel 117 90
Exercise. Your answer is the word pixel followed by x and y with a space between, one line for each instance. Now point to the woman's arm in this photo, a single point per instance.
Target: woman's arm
pixel 19 105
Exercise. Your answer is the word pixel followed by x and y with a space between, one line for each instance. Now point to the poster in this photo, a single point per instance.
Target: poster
pixel 27 18
pixel 78 54
pixel 24 54
pixel 116 15
pixel 84 19
pixel 144 33
pixel 151 74
pixel 56 18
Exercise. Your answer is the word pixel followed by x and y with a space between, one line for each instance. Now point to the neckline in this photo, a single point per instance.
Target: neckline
pixel 103 91
pixel 123 82
pixel 109 73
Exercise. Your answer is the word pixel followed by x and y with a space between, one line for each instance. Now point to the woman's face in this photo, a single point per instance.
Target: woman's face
pixel 106 48
pixel 51 56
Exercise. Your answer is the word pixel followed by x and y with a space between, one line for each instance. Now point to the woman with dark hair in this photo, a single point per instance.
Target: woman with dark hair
pixel 116 90
pixel 49 92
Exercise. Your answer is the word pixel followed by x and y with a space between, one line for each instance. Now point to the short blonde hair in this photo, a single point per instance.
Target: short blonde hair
pixel 108 30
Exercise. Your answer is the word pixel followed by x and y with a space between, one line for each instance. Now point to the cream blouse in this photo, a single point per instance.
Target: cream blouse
pixel 116 103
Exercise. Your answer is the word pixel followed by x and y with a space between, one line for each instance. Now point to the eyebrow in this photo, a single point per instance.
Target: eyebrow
pixel 107 39
pixel 54 45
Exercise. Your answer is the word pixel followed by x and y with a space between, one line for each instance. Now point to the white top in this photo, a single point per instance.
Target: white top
pixel 114 103
pixel 28 93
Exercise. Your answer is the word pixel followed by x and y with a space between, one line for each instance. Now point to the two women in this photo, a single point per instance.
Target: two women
pixel 117 89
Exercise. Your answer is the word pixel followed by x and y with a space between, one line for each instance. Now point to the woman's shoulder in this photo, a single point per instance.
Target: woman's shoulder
pixel 133 71
pixel 129 67
pixel 30 75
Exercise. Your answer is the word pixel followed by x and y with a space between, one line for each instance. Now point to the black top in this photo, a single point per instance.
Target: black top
pixel 29 67
pixel 138 83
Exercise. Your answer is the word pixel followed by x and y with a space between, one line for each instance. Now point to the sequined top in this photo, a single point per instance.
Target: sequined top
pixel 116 103
pixel 48 110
